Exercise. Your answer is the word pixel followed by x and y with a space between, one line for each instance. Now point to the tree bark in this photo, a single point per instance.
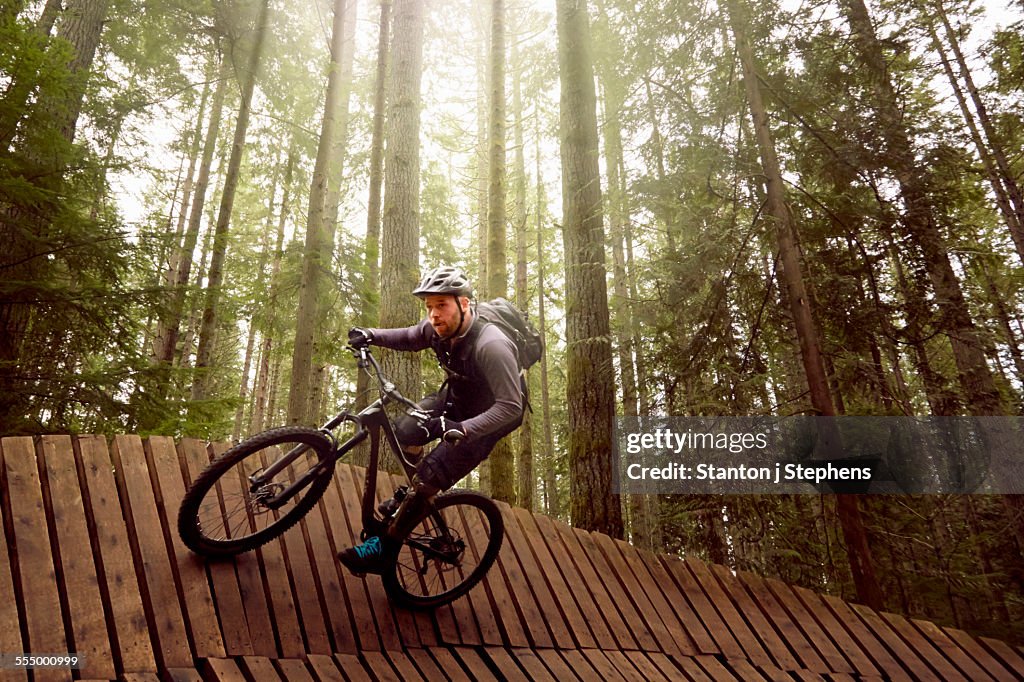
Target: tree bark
pixel 204 352
pixel 526 476
pixel 316 260
pixel 170 321
pixel 400 230
pixel 979 389
pixel 502 469
pixel 551 502
pixel 590 376
pixel 854 533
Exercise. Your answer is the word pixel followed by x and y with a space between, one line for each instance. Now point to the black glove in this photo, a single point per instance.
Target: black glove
pixel 359 337
pixel 447 429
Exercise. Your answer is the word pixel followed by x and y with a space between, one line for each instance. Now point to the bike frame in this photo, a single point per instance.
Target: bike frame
pixel 370 423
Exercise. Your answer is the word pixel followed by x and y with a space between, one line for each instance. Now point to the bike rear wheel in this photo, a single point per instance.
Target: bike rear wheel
pixel 446 551
pixel 223 514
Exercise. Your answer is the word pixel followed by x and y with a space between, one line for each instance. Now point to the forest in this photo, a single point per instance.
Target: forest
pixel 708 208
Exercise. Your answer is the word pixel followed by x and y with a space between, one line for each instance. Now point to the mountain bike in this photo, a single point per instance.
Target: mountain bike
pixel 253 493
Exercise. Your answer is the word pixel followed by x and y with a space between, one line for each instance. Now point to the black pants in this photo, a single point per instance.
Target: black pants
pixel 443 466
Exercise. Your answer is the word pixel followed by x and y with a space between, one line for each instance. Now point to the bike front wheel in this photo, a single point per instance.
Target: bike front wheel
pixel 446 551
pixel 224 513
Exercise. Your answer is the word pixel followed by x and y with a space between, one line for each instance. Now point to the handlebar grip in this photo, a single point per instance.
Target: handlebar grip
pixel 453 436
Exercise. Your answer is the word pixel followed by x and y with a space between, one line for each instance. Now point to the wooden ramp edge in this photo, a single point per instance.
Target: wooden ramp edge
pixel 92 564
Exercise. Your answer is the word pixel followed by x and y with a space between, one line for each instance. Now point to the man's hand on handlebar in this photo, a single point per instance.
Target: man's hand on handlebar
pixel 448 430
pixel 359 337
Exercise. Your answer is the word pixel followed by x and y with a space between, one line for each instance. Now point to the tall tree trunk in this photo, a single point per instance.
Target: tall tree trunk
pixel 260 409
pixel 855 534
pixel 369 315
pixel 160 352
pixel 1011 218
pixel 527 482
pixel 979 389
pixel 204 353
pixel 400 230
pixel 502 467
pixel 590 376
pixel 169 326
pixel 1005 176
pixel 315 260
pixel 551 502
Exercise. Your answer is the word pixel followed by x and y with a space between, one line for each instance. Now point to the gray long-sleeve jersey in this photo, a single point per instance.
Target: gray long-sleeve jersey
pixel 490 390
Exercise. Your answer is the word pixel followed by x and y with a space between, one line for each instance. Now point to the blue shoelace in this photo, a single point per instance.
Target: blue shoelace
pixel 369 549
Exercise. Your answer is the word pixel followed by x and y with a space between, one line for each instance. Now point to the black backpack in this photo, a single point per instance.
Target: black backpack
pixel 516 326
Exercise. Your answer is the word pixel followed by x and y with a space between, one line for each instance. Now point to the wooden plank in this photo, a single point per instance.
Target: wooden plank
pixel 714 668
pixel 380 667
pixel 200 613
pixel 507 668
pixel 643 663
pixel 834 660
pixel 259 668
pixel 868 642
pixel 222 670
pixel 312 614
pixel 732 617
pixel 952 651
pixel 860 660
pixel 557 665
pixel 688 665
pixel 500 599
pixel 159 587
pixel 403 666
pixel 790 634
pixel 247 567
pixel 531 664
pixel 227 595
pixel 119 587
pixel 745 671
pixel 471 620
pixel 618 554
pixel 10 620
pixel 528 610
pixel 808 676
pixel 352 668
pixel 552 572
pixel 1005 653
pixel 293 670
pixel 324 668
pixel 662 663
pixel 35 563
pixel 574 568
pixel 557 633
pixel 621 664
pixel 685 614
pixel 398 626
pixel 183 675
pixel 421 625
pixel 445 661
pixel 734 587
pixel 473 663
pixel 979 654
pixel 284 619
pixel 427 666
pixel 917 668
pixel 702 606
pixel 80 583
pixel 581 664
pixel 642 637
pixel 776 675
pixel 934 658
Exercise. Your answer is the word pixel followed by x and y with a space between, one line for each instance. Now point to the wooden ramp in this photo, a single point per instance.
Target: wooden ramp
pixel 92 565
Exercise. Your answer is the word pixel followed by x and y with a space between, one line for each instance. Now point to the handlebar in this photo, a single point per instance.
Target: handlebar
pixel 366 359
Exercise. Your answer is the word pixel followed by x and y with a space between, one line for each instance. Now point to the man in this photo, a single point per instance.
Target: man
pixel 479 403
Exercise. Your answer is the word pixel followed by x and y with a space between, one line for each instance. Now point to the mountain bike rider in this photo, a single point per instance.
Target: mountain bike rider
pixel 480 402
